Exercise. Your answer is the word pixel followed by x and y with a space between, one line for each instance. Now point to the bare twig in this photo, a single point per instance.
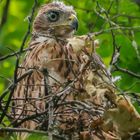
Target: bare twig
pixel 25 130
pixel 127 16
pixel 14 84
pixel 97 109
pixel 127 71
pixel 14 54
pixel 31 117
pixel 9 129
pixel 116 49
pixel 116 28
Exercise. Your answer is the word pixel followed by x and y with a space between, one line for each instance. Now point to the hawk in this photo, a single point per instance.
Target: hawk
pixel 65 84
pixel 49 55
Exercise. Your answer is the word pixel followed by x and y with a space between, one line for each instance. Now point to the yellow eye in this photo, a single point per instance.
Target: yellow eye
pixel 53 16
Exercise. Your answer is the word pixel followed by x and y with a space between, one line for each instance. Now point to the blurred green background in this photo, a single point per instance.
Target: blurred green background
pixel 124 13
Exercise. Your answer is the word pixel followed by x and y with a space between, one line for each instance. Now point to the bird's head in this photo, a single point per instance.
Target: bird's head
pixel 56 19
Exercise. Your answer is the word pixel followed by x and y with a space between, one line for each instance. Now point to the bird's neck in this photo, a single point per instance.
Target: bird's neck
pixel 44 36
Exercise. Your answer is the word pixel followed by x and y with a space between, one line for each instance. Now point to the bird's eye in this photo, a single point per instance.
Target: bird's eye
pixel 53 16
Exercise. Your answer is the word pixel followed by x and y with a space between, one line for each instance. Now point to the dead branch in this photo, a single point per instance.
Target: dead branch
pixel 9 130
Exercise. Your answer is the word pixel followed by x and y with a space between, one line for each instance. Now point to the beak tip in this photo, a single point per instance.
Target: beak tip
pixel 75 24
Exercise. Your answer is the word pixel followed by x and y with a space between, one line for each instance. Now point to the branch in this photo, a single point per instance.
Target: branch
pixel 5 14
pixel 14 54
pixel 127 71
pixel 14 84
pixel 116 28
pixel 127 16
pixel 9 129
pixel 92 110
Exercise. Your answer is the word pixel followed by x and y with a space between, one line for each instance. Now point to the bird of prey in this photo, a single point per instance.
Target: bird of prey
pixel 65 84
pixel 49 56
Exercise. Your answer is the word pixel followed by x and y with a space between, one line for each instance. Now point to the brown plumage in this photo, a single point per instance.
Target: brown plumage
pixel 65 66
pixel 54 23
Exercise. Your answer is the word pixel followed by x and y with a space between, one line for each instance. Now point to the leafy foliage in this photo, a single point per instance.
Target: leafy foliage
pixel 92 18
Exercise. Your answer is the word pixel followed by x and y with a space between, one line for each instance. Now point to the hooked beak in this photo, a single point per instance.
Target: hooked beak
pixel 73 22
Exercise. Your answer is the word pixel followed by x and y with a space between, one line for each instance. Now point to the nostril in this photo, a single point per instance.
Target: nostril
pixel 70 18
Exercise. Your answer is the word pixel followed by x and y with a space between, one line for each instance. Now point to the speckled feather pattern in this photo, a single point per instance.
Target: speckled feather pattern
pixel 58 59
